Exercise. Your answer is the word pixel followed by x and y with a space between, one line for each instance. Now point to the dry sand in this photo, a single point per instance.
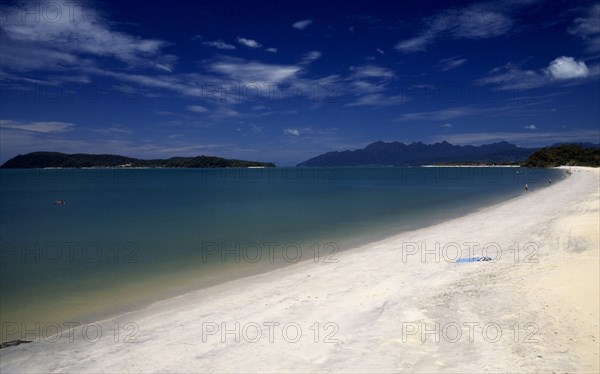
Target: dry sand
pixel 397 305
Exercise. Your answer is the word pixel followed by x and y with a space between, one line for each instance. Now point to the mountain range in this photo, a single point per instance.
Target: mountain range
pixel 398 154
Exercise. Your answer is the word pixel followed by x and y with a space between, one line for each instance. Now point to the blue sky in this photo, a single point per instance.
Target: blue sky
pixel 285 81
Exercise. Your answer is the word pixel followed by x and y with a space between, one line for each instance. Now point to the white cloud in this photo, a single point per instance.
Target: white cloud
pixel 248 42
pixel 380 51
pixel 220 44
pixel 39 127
pixel 301 25
pixel 530 127
pixel 478 21
pixel 197 109
pixel 446 125
pixel 293 132
pixel 272 50
pixel 567 68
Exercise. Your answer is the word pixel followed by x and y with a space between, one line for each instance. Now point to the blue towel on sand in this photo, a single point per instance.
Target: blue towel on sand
pixel 473 259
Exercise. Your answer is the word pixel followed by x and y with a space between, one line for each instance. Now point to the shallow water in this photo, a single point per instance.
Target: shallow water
pixel 127 237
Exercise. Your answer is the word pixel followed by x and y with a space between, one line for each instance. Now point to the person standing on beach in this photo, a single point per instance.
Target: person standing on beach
pixel 526 187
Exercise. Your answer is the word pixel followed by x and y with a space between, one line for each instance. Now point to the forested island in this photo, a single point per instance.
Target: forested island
pixel 564 155
pixel 82 160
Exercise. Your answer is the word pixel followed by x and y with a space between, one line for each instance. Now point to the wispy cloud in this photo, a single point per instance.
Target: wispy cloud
pixel 220 44
pixel 440 115
pixel 369 83
pixel 223 77
pixel 301 25
pixel 378 99
pixel 478 21
pixel 173 83
pixel 588 28
pixel 293 132
pixel 515 107
pixel 526 138
pixel 451 63
pixel 72 37
pixel 417 43
pixel 28 56
pixel 560 69
pixel 530 127
pixel 197 109
pixel 371 71
pixel 446 125
pixel 39 127
pixel 311 56
pixel 272 50
pixel 253 71
pixel 248 42
pixel 116 130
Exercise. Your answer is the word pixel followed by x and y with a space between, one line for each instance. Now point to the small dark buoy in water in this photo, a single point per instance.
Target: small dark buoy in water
pixel 59 202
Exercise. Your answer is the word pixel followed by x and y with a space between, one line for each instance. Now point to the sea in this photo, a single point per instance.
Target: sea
pixel 125 238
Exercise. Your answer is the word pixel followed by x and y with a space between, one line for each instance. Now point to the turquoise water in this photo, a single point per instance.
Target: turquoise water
pixel 127 237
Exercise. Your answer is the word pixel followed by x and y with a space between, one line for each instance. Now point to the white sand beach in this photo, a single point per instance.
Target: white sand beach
pixel 398 305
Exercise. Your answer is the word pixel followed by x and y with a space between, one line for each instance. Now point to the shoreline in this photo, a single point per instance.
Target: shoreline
pixel 138 290
pixel 365 294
